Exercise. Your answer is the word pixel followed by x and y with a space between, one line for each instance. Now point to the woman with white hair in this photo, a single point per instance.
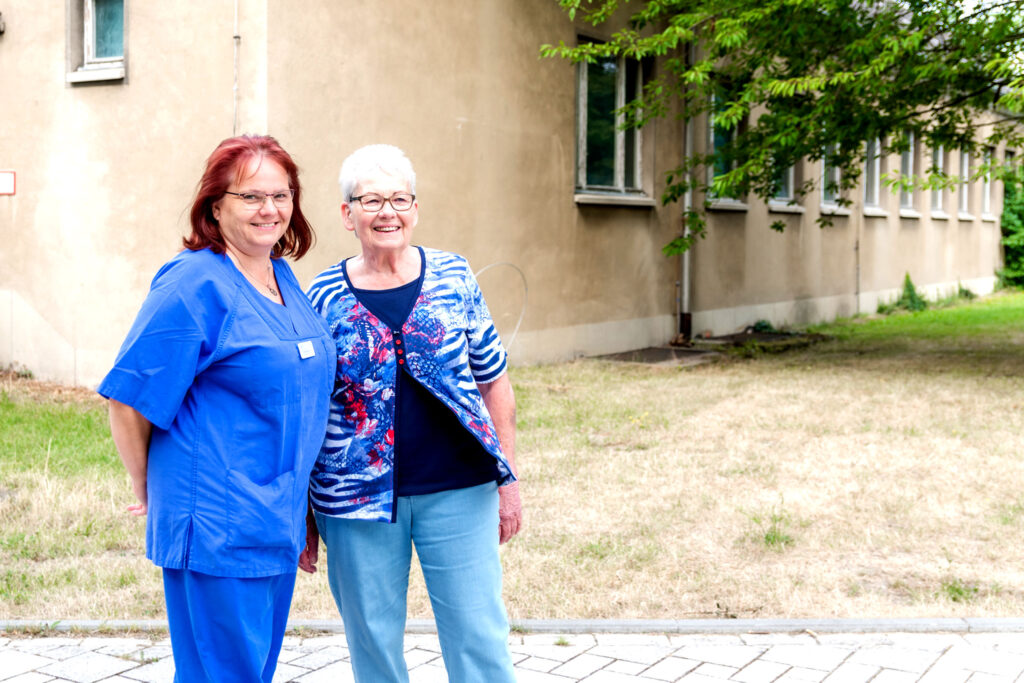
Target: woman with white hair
pixel 421 438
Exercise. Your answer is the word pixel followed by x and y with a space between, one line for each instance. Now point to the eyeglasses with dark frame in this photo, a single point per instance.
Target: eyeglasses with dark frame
pixel 372 202
pixel 254 200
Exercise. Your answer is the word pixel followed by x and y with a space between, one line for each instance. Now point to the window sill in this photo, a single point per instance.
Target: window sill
pixel 613 199
pixel 727 205
pixel 834 210
pixel 784 207
pixel 875 212
pixel 939 215
pixel 964 216
pixel 988 218
pixel 91 75
pixel 909 213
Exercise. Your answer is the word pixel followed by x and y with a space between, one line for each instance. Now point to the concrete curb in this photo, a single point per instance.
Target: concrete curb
pixel 666 626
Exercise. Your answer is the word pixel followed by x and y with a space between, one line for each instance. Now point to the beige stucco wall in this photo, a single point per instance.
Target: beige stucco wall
pixel 744 271
pixel 490 128
pixel 106 171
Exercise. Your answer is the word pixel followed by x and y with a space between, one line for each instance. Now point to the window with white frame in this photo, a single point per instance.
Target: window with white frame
pixel 608 156
pixel 95 40
pixel 965 186
pixel 785 192
pixel 829 177
pixel 938 167
pixel 907 171
pixel 872 173
pixel 986 184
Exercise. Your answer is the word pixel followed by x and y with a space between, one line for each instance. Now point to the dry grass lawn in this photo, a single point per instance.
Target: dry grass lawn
pixel 868 476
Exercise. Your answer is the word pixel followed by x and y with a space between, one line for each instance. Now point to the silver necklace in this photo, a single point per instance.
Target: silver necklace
pixel 269 279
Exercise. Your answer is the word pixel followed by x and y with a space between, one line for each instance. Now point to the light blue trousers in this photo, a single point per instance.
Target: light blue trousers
pixel 456 538
pixel 223 629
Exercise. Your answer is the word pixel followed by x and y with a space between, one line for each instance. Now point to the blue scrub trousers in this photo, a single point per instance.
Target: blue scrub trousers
pixel 225 629
pixel 456 537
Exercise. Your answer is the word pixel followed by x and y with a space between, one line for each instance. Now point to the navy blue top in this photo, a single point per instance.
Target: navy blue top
pixel 433 451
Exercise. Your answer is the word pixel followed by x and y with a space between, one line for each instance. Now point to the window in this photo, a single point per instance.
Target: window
pixel 720 137
pixel 95 40
pixel 965 186
pixel 607 156
pixel 986 185
pixel 872 174
pixel 938 167
pixel 907 171
pixel 785 192
pixel 829 177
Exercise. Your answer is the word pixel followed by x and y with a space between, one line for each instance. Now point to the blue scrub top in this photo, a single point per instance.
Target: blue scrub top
pixel 237 388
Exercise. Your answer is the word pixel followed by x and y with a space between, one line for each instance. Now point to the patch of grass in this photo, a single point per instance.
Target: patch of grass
pixel 773 529
pixel 994 319
pixel 47 436
pixel 600 549
pixel 18 587
pixel 1011 513
pixel 958 590
pixel 897 437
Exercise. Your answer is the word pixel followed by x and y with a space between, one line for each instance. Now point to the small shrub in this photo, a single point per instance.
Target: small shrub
pixel 18 370
pixel 909 299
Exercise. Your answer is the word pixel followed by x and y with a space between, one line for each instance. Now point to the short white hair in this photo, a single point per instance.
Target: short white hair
pixel 366 160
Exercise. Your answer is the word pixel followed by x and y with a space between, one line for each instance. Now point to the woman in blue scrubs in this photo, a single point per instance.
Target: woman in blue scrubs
pixel 420 445
pixel 218 407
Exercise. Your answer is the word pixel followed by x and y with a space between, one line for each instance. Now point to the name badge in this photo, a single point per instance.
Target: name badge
pixel 306 349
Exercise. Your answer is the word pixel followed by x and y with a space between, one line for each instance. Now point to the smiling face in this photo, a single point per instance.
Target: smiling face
pixel 254 231
pixel 384 230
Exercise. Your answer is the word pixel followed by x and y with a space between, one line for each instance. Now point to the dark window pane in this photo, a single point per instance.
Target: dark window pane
pixel 109 19
pixel 601 79
pixel 632 77
pixel 722 137
pixel 784 185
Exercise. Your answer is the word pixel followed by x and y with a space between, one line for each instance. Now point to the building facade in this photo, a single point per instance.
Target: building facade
pixel 113 106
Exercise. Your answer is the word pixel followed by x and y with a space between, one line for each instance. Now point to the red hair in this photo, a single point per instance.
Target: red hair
pixel 226 165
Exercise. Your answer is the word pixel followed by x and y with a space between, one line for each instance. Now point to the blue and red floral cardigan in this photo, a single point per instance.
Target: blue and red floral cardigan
pixel 448 344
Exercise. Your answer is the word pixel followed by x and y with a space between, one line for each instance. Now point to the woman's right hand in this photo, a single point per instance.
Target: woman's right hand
pixel 131 432
pixel 142 507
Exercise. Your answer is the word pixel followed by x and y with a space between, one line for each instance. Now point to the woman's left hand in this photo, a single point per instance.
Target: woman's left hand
pixel 510 511
pixel 310 554
pixel 501 405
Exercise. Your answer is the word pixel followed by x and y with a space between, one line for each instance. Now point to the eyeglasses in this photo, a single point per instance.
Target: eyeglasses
pixel 400 201
pixel 254 200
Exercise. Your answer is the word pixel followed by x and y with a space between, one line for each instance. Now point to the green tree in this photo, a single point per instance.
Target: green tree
pixel 1012 272
pixel 808 76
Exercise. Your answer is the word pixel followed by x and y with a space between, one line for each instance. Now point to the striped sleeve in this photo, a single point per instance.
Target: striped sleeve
pixel 487 358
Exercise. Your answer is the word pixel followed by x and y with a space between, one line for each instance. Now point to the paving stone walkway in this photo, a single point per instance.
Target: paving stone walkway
pixel 935 657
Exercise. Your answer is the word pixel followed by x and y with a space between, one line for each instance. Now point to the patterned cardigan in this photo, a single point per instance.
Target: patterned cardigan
pixel 448 344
